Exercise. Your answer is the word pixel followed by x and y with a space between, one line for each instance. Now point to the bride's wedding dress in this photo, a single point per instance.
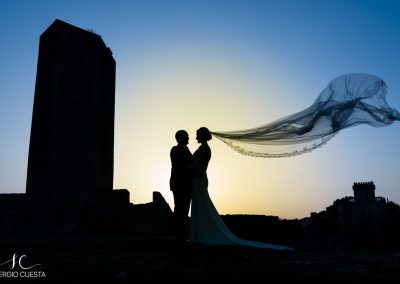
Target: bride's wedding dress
pixel 207 226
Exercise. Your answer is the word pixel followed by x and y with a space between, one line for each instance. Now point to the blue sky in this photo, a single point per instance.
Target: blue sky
pixel 226 65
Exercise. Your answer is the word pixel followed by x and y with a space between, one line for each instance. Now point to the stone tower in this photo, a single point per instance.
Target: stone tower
pixel 364 192
pixel 72 135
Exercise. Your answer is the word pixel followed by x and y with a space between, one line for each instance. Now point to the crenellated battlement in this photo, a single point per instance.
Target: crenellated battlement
pixel 369 185
pixel 364 191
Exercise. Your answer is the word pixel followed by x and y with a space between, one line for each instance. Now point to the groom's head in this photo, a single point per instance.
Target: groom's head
pixel 182 137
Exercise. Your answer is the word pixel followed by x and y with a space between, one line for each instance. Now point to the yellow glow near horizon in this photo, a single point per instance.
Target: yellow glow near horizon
pixel 184 91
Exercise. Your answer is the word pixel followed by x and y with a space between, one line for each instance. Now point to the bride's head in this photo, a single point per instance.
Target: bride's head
pixel 203 135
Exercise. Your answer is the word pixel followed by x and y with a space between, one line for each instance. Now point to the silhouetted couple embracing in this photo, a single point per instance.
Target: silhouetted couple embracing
pixel 189 182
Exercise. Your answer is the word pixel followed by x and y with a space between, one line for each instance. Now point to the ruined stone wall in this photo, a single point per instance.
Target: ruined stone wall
pixel 72 134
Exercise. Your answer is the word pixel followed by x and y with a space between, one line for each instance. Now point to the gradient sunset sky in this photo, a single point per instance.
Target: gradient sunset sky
pixel 227 65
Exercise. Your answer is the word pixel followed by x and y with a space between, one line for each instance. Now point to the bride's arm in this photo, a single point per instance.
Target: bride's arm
pixel 200 162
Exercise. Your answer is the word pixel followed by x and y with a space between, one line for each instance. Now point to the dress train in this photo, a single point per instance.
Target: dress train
pixel 207 226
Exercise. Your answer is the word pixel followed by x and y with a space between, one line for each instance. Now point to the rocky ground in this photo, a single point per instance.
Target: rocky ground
pixel 128 260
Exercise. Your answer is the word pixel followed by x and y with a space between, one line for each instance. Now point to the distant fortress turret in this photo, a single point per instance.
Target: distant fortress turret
pixel 362 220
pixel 364 191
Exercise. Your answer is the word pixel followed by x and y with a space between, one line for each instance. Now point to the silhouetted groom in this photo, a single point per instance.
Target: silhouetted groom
pixel 181 183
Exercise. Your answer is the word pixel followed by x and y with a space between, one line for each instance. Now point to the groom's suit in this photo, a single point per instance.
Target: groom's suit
pixel 181 186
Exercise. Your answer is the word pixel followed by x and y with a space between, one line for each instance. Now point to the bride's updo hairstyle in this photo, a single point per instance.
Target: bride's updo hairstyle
pixel 204 134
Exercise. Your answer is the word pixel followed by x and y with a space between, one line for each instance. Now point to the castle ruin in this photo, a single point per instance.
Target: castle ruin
pixel 69 185
pixel 362 220
pixel 72 135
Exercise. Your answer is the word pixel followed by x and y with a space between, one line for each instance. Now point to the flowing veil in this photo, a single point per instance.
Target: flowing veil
pixel 347 101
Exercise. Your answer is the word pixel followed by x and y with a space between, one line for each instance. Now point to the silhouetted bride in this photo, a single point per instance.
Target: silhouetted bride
pixel 207 227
